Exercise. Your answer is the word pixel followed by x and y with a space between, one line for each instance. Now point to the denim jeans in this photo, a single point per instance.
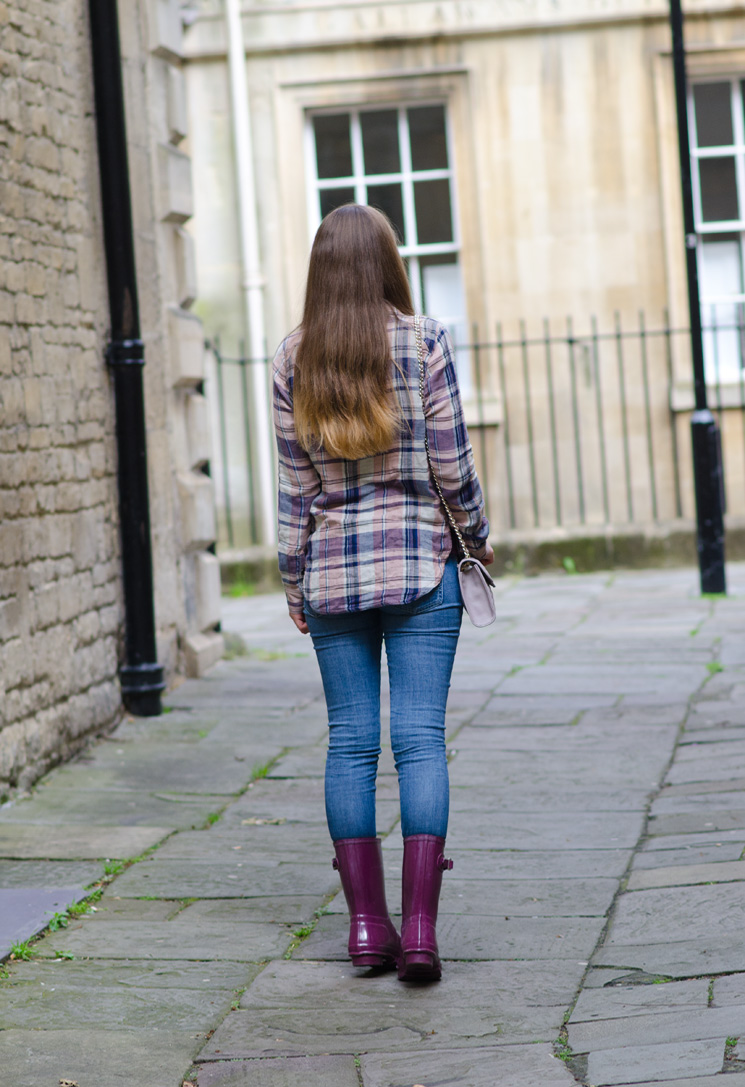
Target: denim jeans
pixel 420 643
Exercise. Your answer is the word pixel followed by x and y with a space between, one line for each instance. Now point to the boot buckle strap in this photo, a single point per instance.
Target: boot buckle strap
pixel 335 864
pixel 444 863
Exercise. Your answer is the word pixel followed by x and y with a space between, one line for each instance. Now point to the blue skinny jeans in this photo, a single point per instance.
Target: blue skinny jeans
pixel 420 643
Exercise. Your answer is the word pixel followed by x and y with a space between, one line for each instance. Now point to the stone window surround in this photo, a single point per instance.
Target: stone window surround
pixel 297 100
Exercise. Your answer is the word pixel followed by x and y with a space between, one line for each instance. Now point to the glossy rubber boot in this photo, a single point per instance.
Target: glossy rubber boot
pixel 424 863
pixel 373 940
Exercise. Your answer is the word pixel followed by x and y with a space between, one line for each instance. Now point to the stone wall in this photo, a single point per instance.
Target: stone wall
pixel 61 615
pixel 60 610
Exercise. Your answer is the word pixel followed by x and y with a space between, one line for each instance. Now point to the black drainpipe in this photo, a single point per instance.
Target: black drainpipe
pixel 141 676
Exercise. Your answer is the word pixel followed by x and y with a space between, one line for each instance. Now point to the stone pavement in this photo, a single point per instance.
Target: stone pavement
pixel 592 928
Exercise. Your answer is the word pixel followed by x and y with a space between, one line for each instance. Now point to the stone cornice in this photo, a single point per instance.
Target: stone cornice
pixel 325 25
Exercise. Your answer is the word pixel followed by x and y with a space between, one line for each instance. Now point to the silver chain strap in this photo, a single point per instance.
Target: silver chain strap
pixel 435 480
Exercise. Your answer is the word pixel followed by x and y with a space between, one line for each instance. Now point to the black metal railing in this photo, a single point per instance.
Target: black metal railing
pixel 570 428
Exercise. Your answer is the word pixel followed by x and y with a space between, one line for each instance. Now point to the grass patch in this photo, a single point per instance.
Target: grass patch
pixel 22 951
pixel 714 667
pixel 241 588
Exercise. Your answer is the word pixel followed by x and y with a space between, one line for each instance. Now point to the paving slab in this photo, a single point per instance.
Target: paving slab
pixel 665 1061
pixel 250 879
pixel 697 821
pixel 529 710
pixel 656 854
pixel 22 841
pixel 287 910
pixel 521 898
pixel 527 864
pixel 314 985
pixel 475 938
pixel 104 1058
pixel 221 842
pixel 645 1029
pixel 185 768
pixel 523 795
pixel 729 990
pixel 720 800
pixel 678 912
pixel 49 874
pixel 110 807
pixel 276 1031
pixel 248 941
pixel 733 1080
pixel 677 958
pixel 677 876
pixel 620 1001
pixel 72 975
pixel 50 1007
pixel 280 1072
pixel 26 911
pixel 518 1066
pixel 579 830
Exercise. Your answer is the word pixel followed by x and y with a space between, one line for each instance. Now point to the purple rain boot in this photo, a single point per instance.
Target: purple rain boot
pixel 424 863
pixel 373 940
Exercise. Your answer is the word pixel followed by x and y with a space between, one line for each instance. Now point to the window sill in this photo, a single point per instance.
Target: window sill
pixel 726 394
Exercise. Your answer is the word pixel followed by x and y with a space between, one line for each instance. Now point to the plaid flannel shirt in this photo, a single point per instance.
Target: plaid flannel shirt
pixel 359 534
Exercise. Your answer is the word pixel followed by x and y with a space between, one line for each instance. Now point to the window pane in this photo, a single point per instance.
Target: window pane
pixel 333 145
pixel 718 189
pixel 713 108
pixel 334 198
pixel 433 219
pixel 388 199
pixel 721 274
pixel 721 270
pixel 428 144
pixel 380 141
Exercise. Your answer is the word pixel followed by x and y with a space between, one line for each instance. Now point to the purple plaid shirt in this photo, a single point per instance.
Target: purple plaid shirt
pixel 359 534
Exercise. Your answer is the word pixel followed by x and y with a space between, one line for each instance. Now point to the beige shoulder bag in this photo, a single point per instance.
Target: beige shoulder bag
pixel 475 580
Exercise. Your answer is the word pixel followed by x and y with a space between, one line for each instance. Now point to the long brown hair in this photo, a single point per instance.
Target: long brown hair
pixel 342 395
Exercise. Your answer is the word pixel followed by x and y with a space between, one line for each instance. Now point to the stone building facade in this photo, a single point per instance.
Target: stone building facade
pixel 528 154
pixel 61 613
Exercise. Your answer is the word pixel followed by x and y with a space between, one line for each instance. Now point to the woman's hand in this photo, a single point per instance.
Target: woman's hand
pixel 488 558
pixel 300 622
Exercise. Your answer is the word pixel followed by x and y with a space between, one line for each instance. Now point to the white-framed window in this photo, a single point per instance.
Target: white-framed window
pixel 717 124
pixel 397 159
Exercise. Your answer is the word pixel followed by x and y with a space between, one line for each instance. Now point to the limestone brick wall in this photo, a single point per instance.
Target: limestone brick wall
pixel 60 610
pixel 61 616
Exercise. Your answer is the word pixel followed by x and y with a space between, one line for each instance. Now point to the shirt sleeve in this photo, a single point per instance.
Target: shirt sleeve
pixel 450 446
pixel 299 483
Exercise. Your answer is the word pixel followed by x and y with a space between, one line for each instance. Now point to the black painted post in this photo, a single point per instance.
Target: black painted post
pixel 141 676
pixel 707 447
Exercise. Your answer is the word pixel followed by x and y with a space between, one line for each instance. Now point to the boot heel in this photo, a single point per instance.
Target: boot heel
pixel 419 966
pixel 374 962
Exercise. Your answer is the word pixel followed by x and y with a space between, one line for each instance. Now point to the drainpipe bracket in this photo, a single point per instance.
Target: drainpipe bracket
pixel 125 353
pixel 141 688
